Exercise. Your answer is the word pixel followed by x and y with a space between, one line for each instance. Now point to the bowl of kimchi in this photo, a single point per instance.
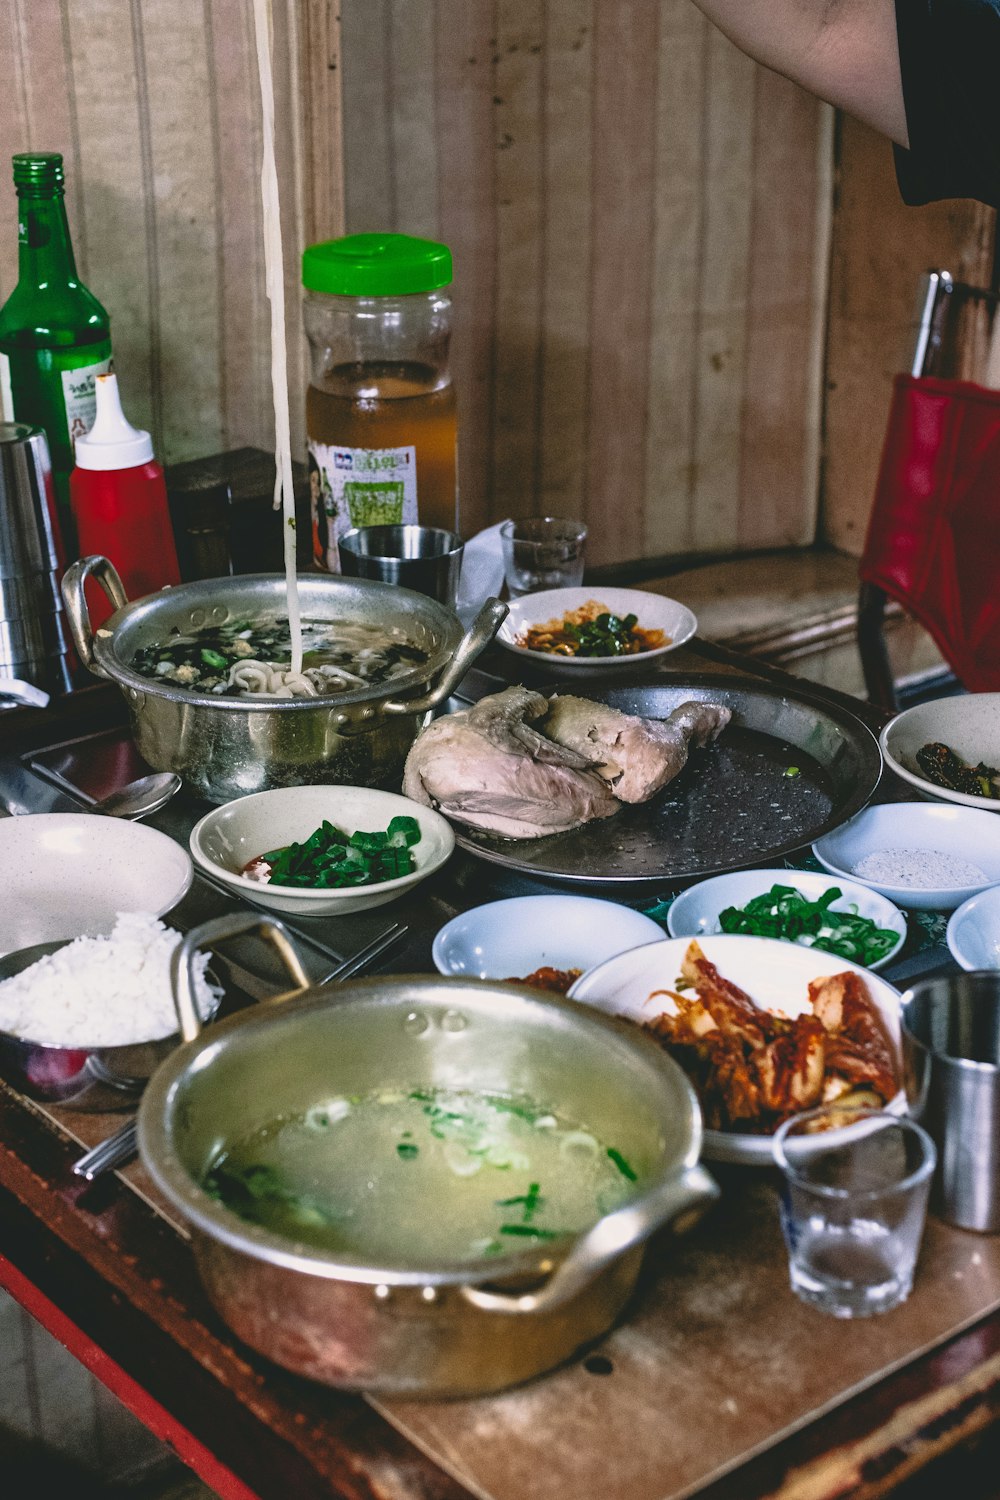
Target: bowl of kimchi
pixel 764 1029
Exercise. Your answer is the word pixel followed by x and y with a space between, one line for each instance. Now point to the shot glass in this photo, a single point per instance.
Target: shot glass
pixel 542 552
pixel 853 1206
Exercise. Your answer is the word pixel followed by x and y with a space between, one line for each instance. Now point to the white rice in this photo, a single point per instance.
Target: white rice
pixel 103 991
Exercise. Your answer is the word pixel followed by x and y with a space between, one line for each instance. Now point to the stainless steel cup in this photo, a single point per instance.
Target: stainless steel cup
pixel 423 558
pixel 951 1056
pixel 33 640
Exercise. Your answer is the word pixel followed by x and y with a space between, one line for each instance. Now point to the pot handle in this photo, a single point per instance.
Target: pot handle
pixel 219 931
pixel 680 1202
pixel 75 600
pixel 475 640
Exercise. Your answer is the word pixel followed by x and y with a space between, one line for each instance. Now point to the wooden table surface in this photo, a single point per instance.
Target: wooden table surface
pixel 720 1383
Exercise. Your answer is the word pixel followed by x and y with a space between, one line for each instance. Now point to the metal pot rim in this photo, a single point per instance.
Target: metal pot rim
pixel 105 651
pixel 171 1176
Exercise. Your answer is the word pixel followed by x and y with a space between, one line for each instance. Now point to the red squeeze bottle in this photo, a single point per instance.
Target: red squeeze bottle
pixel 119 501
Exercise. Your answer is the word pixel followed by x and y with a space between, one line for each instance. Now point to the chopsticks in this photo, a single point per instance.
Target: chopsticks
pixel 122 1144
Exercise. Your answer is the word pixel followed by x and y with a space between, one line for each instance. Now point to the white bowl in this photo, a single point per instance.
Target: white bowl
pixel 70 874
pixel 961 832
pixel 775 975
pixel 695 913
pixel 229 837
pixel 511 939
pixel 653 612
pixel 974 931
pixel 969 725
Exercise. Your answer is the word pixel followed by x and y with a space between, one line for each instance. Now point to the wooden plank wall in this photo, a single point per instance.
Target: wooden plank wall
pixel 880 249
pixel 156 110
pixel 639 219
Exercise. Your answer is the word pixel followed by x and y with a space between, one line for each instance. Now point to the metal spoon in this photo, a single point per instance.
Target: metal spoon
pixel 139 798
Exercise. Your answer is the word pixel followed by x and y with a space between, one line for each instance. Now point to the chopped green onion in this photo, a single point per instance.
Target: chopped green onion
pixel 330 860
pixel 623 1166
pixel 531 1231
pixel 784 912
pixel 792 771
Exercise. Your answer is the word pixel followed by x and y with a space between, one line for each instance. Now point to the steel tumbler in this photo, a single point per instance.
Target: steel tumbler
pixel 33 639
pixel 951 1056
pixel 424 558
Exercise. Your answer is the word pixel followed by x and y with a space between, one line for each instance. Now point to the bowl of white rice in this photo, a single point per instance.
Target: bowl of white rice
pixel 85 1022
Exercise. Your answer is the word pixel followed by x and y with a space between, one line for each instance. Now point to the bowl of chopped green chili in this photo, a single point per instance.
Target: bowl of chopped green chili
pixel 798 906
pixel 321 850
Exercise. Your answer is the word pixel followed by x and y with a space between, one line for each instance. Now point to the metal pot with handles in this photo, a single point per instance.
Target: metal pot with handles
pixel 229 747
pixel 457 1327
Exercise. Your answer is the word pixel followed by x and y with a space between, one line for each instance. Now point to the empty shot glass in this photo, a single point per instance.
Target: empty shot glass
pixel 542 552
pixel 853 1206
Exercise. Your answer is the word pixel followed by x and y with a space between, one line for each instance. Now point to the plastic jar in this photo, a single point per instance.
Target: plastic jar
pixel 380 409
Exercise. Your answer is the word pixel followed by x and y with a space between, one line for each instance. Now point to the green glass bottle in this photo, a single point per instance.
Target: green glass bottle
pixel 55 337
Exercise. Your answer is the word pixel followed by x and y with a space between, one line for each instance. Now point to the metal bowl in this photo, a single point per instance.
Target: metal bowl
pixel 93 1079
pixel 423 1330
pixel 229 747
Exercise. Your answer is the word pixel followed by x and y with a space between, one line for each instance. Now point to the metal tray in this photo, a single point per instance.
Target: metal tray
pixel 734 805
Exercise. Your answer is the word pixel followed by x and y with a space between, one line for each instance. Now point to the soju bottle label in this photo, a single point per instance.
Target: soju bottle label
pixel 358 487
pixel 54 389
pixel 79 386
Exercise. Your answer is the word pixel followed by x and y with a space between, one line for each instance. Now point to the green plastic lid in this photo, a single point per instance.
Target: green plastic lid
pixel 375 265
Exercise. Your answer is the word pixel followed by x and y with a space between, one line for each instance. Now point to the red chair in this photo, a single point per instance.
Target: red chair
pixel 933 541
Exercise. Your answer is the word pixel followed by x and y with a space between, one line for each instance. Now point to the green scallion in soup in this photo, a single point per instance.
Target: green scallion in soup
pixel 422 1176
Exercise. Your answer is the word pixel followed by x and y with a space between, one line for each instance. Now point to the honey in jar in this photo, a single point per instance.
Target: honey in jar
pixel 380 409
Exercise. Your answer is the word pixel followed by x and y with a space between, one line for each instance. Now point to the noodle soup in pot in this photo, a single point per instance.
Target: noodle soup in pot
pixel 253 658
pixel 266 728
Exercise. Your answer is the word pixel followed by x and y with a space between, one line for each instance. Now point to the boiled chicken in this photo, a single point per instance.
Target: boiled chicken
pixel 523 766
pixel 490 767
pixel 636 756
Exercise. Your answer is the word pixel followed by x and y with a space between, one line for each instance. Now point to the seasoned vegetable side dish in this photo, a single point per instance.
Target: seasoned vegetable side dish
pixel 559 981
pixel 944 768
pixel 752 1068
pixel 251 658
pixel 357 1176
pixel 329 859
pixel 783 912
pixel 592 630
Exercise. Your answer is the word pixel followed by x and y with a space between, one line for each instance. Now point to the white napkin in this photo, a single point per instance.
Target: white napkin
pixel 482 572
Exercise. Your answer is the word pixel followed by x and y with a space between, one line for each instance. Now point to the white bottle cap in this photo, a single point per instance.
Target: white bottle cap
pixel 112 442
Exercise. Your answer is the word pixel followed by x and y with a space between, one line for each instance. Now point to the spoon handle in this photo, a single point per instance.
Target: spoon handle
pixel 112 1152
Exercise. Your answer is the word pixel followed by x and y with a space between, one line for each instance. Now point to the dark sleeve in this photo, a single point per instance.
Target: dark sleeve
pixel 949 55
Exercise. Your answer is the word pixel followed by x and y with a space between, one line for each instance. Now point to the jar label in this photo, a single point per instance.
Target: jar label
pixel 358 487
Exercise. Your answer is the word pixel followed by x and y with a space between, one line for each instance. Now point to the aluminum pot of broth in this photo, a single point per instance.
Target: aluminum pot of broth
pixel 228 746
pixel 427 1264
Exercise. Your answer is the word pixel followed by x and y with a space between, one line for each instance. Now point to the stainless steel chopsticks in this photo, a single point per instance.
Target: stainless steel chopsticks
pixel 121 1145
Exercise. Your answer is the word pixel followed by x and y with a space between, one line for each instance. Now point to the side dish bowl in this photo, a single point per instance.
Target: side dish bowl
pixel 72 874
pixel 974 931
pixel 695 913
pixel 969 725
pixel 922 828
pixel 229 837
pixel 652 611
pixel 774 974
pixel 511 939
